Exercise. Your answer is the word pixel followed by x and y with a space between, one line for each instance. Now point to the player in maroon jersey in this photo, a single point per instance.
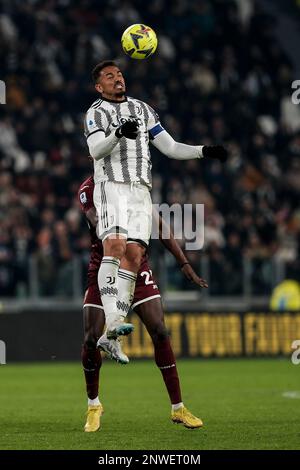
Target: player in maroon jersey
pixel 147 304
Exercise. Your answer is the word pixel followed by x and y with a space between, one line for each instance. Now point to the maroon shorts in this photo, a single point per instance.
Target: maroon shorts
pixel 145 289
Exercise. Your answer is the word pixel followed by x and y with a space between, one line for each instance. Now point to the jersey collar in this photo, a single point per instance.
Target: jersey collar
pixel 114 101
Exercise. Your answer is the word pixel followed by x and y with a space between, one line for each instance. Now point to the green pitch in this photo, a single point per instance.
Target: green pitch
pixel 241 402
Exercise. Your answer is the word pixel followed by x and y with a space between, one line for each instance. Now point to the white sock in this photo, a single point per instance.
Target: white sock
pixel 176 406
pixel 108 287
pixel 126 286
pixel 94 402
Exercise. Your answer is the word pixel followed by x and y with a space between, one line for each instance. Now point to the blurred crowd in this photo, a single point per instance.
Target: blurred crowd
pixel 219 76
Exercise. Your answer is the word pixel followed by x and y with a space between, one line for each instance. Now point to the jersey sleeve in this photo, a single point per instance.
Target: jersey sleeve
pixel 154 125
pixel 95 121
pixel 85 197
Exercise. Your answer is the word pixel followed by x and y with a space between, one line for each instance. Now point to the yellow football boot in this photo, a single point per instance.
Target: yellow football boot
pixel 94 413
pixel 185 417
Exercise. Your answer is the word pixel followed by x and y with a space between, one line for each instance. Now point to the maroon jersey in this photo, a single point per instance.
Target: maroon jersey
pixel 145 288
pixel 85 196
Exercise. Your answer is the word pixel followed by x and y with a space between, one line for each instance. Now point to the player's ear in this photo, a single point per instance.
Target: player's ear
pixel 98 87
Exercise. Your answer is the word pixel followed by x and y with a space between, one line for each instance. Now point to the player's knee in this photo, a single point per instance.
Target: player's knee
pixel 159 333
pixel 90 339
pixel 134 254
pixel 115 247
pixel 135 263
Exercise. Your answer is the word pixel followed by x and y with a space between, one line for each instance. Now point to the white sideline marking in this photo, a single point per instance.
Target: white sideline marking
pixel 292 394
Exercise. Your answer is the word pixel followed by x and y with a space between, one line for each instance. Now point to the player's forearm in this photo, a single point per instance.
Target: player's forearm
pixel 168 146
pixel 167 239
pixel 174 248
pixel 101 146
pixel 181 151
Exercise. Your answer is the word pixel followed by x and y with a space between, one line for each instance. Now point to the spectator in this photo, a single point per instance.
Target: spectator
pixel 219 75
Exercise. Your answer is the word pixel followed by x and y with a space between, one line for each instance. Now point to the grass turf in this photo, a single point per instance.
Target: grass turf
pixel 240 401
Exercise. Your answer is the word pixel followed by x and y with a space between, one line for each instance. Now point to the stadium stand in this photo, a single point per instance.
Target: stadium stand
pixel 236 92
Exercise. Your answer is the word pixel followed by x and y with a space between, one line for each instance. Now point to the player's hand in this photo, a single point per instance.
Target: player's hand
pixel 129 130
pixel 217 152
pixel 192 276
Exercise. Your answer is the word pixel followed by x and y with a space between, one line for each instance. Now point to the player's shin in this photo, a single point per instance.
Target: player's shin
pixel 91 362
pixel 126 286
pixel 108 287
pixel 165 360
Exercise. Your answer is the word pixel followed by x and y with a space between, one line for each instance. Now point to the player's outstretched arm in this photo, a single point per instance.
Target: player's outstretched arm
pixel 165 143
pixel 167 239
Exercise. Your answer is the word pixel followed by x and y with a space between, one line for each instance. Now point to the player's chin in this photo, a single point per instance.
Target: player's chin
pixel 120 93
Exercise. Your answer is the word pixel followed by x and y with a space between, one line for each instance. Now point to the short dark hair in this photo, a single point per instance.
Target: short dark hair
pixel 96 70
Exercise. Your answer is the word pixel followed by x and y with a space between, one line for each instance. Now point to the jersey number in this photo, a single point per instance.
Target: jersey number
pixel 147 275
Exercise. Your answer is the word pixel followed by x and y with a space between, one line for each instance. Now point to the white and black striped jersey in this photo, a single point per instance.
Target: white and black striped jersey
pixel 130 160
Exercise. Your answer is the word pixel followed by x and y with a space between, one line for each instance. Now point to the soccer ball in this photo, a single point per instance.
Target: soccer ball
pixel 139 41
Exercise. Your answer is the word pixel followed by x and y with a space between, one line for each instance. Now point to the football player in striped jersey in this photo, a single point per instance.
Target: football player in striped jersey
pixel 118 130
